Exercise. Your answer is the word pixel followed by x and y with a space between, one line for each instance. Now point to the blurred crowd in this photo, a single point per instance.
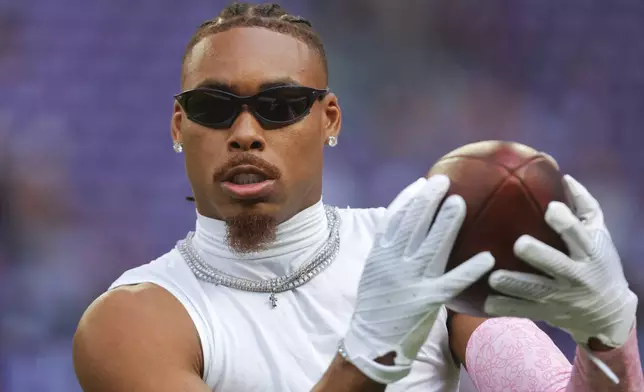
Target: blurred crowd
pixel 89 185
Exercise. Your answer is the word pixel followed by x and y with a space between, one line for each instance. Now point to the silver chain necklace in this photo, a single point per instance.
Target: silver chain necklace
pixel 295 279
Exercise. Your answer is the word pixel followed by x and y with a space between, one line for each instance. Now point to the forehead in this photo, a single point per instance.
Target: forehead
pixel 247 57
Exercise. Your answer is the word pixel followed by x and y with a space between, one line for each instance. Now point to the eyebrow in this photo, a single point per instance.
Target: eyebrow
pixel 223 86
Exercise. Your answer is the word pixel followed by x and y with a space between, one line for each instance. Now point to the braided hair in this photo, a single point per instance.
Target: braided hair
pixel 269 16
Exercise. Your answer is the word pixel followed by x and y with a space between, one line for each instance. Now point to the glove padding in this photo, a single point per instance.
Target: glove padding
pixel 403 285
pixel 588 295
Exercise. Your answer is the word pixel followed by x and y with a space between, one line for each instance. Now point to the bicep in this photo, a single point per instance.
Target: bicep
pixel 134 341
pixel 104 376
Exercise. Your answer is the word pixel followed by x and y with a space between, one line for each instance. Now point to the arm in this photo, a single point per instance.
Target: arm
pixel 460 328
pixel 140 338
pixel 511 352
pixel 624 361
pixel 137 338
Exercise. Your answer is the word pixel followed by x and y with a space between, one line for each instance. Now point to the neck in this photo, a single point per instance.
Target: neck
pixel 301 235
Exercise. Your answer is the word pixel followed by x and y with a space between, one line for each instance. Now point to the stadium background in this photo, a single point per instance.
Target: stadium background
pixel 89 185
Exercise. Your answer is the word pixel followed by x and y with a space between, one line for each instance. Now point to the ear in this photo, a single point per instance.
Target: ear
pixel 175 123
pixel 332 116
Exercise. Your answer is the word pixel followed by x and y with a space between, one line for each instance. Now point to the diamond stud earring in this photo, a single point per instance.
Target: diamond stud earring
pixel 332 141
pixel 177 147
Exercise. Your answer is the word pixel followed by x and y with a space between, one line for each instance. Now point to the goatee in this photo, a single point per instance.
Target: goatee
pixel 249 233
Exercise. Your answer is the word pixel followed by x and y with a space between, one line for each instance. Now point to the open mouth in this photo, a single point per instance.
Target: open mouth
pixel 247 183
pixel 247 178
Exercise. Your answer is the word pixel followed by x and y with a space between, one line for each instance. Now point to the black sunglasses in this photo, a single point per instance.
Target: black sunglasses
pixel 273 108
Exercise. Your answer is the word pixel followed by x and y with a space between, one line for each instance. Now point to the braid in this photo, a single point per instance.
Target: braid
pixel 269 10
pixel 235 9
pixel 269 16
pixel 297 19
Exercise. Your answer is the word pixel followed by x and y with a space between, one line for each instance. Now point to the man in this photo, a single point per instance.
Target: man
pixel 276 292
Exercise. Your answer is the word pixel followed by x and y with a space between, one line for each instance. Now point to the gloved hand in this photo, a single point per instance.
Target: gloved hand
pixel 589 296
pixel 403 284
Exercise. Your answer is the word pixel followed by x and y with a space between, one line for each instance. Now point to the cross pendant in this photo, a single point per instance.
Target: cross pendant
pixel 273 299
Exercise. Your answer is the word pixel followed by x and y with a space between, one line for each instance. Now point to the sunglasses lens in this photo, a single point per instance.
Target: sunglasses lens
pixel 283 105
pixel 209 107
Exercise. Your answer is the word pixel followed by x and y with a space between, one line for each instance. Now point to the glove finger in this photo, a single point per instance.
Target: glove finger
pixel 395 217
pixel 499 305
pixel 574 233
pixel 545 258
pixel 455 281
pixel 554 314
pixel 523 285
pixel 438 243
pixel 406 218
pixel 586 207
pixel 436 189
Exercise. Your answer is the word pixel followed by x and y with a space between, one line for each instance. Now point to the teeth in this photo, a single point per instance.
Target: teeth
pixel 247 178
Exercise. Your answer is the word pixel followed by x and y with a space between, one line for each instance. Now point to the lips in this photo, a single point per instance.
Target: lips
pixel 247 182
pixel 245 173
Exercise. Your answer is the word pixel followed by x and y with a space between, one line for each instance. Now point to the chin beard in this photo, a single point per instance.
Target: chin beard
pixel 248 233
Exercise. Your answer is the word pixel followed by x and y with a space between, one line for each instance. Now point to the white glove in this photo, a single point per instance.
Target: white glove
pixel 403 285
pixel 589 295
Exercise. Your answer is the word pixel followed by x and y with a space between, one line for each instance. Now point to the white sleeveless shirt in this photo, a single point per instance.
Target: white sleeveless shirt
pixel 248 345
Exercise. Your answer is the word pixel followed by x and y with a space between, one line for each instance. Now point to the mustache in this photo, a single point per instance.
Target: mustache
pixel 271 171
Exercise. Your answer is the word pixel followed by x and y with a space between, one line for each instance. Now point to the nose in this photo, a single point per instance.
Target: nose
pixel 246 134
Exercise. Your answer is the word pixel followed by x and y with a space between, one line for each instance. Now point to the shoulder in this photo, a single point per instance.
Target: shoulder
pixel 169 266
pixel 140 327
pixel 358 226
pixel 120 311
pixel 171 275
pixel 364 218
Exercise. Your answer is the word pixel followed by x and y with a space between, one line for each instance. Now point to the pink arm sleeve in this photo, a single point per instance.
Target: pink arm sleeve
pixel 510 354
pixel 624 361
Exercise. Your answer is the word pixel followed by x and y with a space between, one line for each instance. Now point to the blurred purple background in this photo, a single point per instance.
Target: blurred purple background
pixel 89 185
